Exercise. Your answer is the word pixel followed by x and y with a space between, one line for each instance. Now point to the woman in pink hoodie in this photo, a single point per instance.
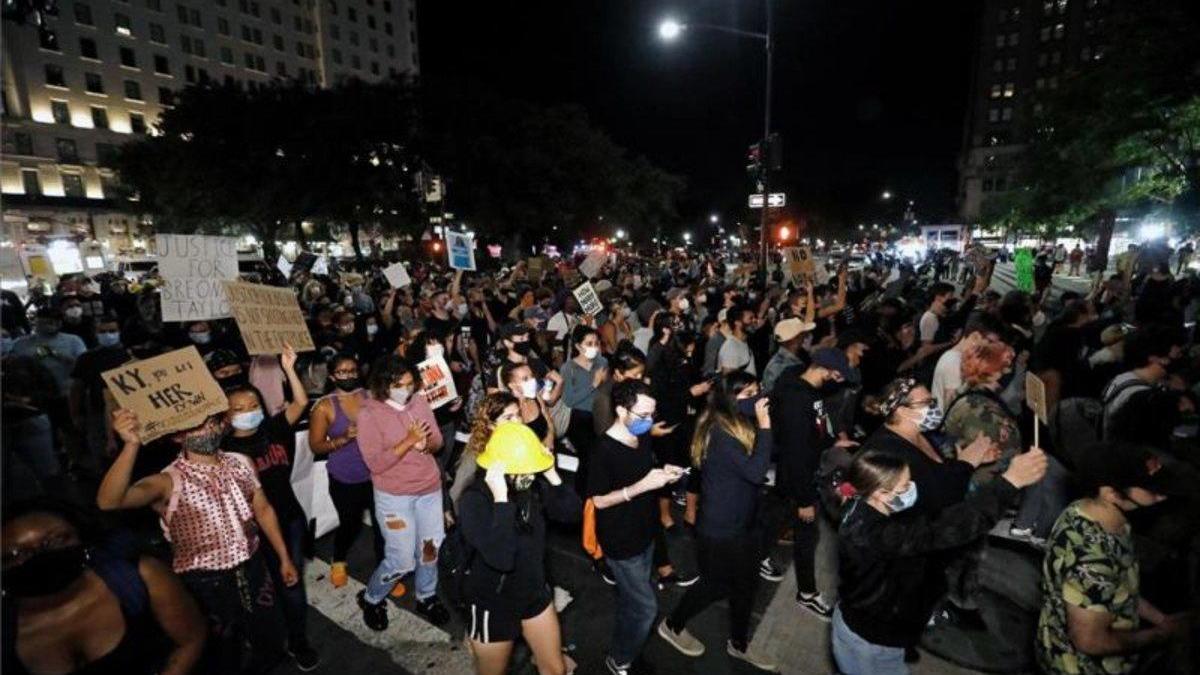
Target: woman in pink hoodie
pixel 398 435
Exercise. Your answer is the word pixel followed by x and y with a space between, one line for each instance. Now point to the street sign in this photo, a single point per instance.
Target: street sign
pixel 774 200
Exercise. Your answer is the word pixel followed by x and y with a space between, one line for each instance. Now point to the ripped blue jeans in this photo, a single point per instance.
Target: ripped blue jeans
pixel 413 529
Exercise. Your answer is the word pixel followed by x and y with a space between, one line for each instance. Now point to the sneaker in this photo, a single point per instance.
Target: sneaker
pixel 433 610
pixel 615 669
pixel 753 659
pixel 374 615
pixel 305 656
pixel 1021 532
pixel 769 570
pixel 814 603
pixel 676 579
pixel 683 641
pixel 680 499
pixel 338 575
pixel 605 574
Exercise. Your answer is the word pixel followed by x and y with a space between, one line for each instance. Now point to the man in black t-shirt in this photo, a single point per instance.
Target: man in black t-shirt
pixel 87 388
pixel 622 483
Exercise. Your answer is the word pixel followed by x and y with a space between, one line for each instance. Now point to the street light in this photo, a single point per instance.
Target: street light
pixel 620 234
pixel 687 236
pixel 886 195
pixel 669 29
pixel 714 218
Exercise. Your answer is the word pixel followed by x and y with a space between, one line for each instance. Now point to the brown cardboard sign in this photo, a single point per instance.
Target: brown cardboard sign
pixel 268 317
pixel 170 392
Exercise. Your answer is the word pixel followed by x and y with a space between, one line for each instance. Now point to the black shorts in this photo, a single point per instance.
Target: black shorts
pixel 495 622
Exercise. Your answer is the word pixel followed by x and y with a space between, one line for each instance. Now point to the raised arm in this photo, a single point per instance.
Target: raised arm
pixel 295 409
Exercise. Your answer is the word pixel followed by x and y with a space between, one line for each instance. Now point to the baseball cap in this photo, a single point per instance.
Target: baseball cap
pixel 835 360
pixel 510 330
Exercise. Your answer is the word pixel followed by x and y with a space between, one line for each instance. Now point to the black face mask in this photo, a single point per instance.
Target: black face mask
pixel 46 573
pixel 346 384
pixel 522 348
pixel 233 381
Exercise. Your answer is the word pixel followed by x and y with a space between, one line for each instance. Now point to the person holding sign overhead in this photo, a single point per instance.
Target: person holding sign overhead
pixel 212 509
pixel 398 436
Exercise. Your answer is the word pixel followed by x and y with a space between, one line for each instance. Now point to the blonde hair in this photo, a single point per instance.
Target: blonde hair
pixel 485 419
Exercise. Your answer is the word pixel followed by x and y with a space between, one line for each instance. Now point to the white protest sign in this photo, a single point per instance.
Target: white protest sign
pixel 284 267
pixel 397 275
pixel 437 382
pixel 591 265
pixel 321 266
pixel 193 268
pixel 460 247
pixel 588 300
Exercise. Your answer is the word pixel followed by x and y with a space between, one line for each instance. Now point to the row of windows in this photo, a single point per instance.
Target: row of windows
pixel 188 16
pixel 61 110
pixel 998 184
pixel 1057 32
pixel 1012 14
pixel 1004 114
pixel 1010 40
pixel 1002 65
pixel 356 62
pixel 1007 90
pixel 93 83
pixel 72 183
pixel 1049 7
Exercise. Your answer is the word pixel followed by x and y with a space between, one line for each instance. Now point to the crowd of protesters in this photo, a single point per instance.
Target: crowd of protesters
pixel 737 411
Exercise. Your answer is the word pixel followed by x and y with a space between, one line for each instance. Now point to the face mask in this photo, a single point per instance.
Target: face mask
pixel 372 329
pixel 521 348
pixel 46 573
pixel 231 381
pixel 73 312
pixel 204 442
pixel 201 338
pixel 345 383
pixel 684 304
pixel 247 421
pixel 529 388
pixel 108 339
pixel 400 395
pixel 639 425
pixel 931 419
pixel 904 500
pixel 745 406
pixel 434 351
pixel 590 353
pixel 461 310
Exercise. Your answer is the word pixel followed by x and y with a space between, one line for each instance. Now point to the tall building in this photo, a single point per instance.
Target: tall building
pixel 88 75
pixel 1024 49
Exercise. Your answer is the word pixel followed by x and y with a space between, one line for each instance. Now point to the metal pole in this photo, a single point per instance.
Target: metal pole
pixel 766 162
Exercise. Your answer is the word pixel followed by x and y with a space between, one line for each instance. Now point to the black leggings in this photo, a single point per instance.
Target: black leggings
pixel 728 570
pixel 350 500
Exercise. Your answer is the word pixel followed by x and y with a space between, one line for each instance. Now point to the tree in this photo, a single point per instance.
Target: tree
pixel 228 159
pixel 519 169
pixel 1123 130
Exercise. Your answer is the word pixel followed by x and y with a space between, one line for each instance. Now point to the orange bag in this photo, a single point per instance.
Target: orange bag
pixel 590 543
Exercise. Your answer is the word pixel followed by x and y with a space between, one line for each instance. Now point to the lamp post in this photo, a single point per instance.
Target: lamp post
pixel 671 29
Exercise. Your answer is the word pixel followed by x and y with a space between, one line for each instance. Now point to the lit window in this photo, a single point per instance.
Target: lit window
pixel 73 183
pixel 122 23
pixel 1059 31
pixel 99 117
pixel 1009 90
pixel 1062 6
pixel 996 91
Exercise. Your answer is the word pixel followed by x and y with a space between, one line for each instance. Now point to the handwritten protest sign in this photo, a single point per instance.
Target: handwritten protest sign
pixel 536 267
pixel 799 261
pixel 461 249
pixel 284 267
pixel 192 268
pixel 168 393
pixel 268 316
pixel 1035 397
pixel 397 275
pixel 588 300
pixel 437 383
pixel 591 265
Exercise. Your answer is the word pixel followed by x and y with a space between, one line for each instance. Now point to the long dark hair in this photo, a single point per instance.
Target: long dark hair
pixel 722 413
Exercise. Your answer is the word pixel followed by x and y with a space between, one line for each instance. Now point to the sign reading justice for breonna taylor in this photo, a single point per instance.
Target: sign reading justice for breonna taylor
pixel 170 392
pixel 192 269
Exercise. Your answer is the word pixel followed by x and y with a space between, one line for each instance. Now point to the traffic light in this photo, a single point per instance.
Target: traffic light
pixel 754 159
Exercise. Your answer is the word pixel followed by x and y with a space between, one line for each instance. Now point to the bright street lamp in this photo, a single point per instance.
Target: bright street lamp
pixel 886 195
pixel 669 29
pixel 620 234
pixel 714 218
pixel 687 236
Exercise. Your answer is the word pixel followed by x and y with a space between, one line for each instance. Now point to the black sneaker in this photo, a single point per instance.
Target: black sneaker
pixel 374 615
pixel 676 579
pixel 433 610
pixel 814 603
pixel 305 656
pixel 605 574
pixel 769 570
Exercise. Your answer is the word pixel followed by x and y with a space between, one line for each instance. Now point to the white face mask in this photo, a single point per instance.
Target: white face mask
pixel 372 329
pixel 529 388
pixel 590 353
pixel 684 305
pixel 434 351
pixel 400 395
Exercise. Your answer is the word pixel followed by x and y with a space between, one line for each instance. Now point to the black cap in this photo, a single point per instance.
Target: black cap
pixel 219 358
pixel 510 330
pixel 1122 465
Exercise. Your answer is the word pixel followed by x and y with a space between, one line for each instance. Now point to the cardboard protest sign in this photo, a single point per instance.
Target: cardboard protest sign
pixel 1035 396
pixel 799 262
pixel 170 392
pixel 397 275
pixel 591 265
pixel 588 300
pixel 437 383
pixel 460 247
pixel 193 268
pixel 268 317
pixel 536 267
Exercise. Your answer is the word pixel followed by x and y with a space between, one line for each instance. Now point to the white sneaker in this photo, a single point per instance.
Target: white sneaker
pixel 685 642
pixel 753 659
pixel 615 669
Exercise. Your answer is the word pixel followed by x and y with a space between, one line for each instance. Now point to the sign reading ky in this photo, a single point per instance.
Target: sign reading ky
pixel 170 392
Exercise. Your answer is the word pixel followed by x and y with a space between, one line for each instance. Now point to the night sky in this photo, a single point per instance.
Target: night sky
pixel 869 94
